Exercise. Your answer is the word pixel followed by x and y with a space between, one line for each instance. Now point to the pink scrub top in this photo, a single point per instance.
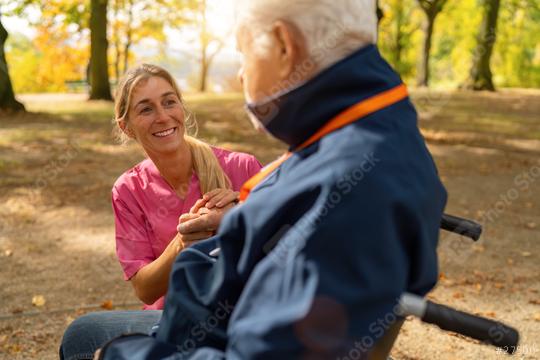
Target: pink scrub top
pixel 146 209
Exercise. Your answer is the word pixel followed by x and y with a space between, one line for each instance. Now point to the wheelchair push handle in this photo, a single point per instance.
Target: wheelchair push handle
pixel 461 226
pixel 476 327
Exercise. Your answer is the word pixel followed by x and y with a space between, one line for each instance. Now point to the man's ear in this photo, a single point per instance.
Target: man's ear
pixel 291 45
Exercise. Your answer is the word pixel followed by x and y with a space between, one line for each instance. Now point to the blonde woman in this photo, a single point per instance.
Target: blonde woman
pixel 179 173
pixel 181 180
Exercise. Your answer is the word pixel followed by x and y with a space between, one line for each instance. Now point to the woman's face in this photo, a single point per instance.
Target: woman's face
pixel 156 116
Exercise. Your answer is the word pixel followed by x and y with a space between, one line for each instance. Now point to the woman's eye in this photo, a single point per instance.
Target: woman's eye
pixel 170 102
pixel 145 110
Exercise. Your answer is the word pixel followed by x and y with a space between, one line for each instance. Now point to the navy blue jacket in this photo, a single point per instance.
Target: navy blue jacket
pixel 313 263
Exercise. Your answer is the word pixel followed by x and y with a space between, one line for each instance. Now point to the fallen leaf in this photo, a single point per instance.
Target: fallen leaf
pixel 8 253
pixel 478 287
pixel 442 276
pixel 107 305
pixel 17 311
pixel 38 300
pixel 14 349
pixel 536 316
pixel 526 254
pixel 499 285
pixel 510 261
pixel 529 205
pixel 534 302
pixel 490 314
pixel 479 248
pixel 458 295
pixel 3 339
pixel 531 225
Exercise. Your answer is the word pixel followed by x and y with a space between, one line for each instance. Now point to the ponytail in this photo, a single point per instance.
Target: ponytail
pixel 206 166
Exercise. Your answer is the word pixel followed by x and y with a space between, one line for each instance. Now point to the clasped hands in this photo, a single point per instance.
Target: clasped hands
pixel 205 216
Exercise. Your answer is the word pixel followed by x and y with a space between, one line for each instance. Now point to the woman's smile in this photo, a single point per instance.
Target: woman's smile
pixel 165 133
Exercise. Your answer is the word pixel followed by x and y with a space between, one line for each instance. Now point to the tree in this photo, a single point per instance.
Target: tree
pixel 481 76
pixel 206 38
pixel 399 31
pixel 7 97
pixel 99 66
pixel 380 12
pixel 431 8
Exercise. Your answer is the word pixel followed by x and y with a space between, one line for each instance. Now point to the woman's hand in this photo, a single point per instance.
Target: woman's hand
pixel 205 216
pixel 216 198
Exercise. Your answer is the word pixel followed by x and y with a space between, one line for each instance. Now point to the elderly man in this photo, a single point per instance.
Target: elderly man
pixel 313 262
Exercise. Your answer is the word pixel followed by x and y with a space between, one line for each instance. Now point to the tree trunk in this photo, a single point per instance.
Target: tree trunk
pixel 99 70
pixel 431 8
pixel 398 46
pixel 380 12
pixel 129 35
pixel 423 73
pixel 481 76
pixel 7 97
pixel 116 44
pixel 204 47
pixel 204 72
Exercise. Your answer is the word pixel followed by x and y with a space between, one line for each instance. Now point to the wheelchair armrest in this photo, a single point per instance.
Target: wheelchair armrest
pixel 482 329
pixel 461 226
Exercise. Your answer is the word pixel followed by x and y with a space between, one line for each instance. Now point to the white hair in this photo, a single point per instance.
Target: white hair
pixel 333 29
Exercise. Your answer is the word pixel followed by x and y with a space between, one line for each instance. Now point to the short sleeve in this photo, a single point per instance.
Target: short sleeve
pixel 253 166
pixel 240 167
pixel 133 247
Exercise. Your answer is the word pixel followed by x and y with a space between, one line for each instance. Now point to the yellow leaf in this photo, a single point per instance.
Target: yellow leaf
pixel 8 253
pixel 536 316
pixel 38 300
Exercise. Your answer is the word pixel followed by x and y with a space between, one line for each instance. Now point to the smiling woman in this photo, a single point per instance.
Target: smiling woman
pixel 149 198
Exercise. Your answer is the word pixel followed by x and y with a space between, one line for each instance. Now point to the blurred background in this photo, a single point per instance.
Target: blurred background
pixel 444 44
pixel 473 70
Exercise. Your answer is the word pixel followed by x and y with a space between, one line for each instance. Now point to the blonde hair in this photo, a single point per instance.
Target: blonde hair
pixel 205 163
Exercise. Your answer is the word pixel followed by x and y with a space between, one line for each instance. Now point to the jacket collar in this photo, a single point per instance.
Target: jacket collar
pixel 297 114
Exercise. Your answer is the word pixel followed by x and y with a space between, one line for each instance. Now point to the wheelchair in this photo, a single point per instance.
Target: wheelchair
pixel 484 330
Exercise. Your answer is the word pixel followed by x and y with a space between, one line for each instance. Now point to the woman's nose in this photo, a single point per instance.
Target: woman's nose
pixel 161 114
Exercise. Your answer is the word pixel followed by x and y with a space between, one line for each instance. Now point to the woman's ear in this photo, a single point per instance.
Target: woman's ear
pixel 125 129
